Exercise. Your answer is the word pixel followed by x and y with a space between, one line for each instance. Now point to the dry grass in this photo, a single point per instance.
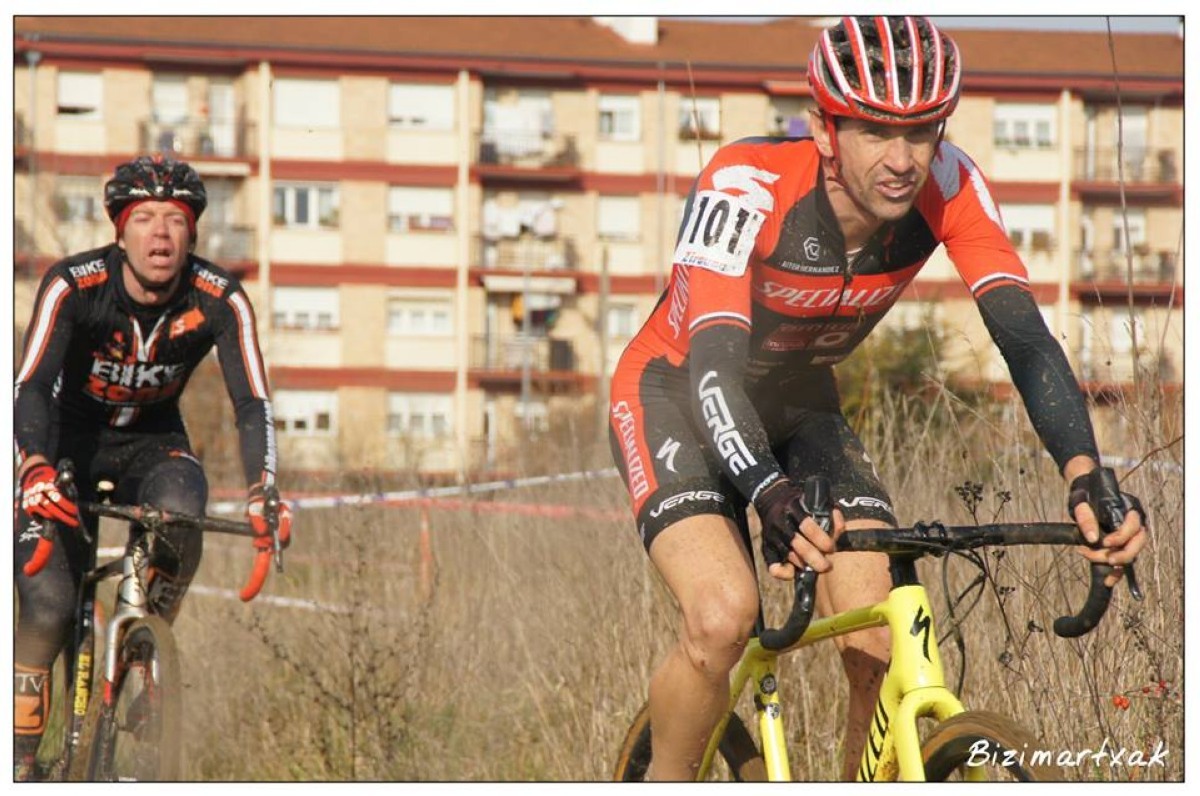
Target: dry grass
pixel 536 645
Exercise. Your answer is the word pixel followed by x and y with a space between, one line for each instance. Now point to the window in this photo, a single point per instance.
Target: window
pixel 304 412
pixel 77 199
pixel 1030 227
pixel 305 308
pixel 1026 126
pixel 298 205
pixel 169 99
pixel 705 109
pixel 80 95
pixel 420 107
pixel 1136 216
pixel 619 218
pixel 532 416
pixel 620 117
pixel 622 320
pixel 1121 331
pixel 420 209
pixel 307 104
pixel 420 415
pixel 419 316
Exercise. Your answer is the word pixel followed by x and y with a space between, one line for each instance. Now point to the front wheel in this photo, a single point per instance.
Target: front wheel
pixel 981 744
pixel 736 747
pixel 138 736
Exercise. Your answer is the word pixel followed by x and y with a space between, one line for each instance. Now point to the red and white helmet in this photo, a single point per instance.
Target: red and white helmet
pixel 896 70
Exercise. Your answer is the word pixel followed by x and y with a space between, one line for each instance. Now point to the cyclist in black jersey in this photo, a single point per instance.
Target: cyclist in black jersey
pixel 115 334
pixel 791 251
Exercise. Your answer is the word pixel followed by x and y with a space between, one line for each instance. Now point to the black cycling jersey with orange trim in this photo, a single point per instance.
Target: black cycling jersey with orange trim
pixel 762 286
pixel 94 358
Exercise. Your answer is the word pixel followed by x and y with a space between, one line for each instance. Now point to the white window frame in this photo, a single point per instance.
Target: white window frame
pixel 306 308
pixel 539 416
pixel 1020 125
pixel 1031 227
pixel 302 103
pixel 623 320
pixel 613 214
pixel 708 109
pixel 620 117
pixel 420 209
pixel 421 106
pixel 80 95
pixel 419 316
pixel 305 413
pixel 169 95
pixel 420 415
pixel 78 199
pixel 320 201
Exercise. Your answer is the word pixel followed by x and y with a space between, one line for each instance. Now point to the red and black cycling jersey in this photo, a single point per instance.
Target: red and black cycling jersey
pixel 94 358
pixel 763 289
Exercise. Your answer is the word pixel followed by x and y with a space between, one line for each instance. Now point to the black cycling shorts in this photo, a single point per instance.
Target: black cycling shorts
pixel 672 472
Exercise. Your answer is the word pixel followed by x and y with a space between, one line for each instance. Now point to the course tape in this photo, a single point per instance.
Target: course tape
pixel 413 495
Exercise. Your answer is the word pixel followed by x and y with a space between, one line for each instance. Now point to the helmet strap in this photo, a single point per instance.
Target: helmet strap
pixel 835 170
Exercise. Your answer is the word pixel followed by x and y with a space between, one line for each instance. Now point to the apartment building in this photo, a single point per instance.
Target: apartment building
pixel 452 226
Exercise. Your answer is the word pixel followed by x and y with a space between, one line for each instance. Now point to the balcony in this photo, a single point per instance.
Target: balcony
pixel 1110 265
pixel 228 244
pixel 517 254
pixel 196 138
pixel 507 355
pixel 1146 172
pixel 533 150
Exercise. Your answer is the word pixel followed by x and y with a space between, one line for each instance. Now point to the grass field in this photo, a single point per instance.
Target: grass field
pixel 534 644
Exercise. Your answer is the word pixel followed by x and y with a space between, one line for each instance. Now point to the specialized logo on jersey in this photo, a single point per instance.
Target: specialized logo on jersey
pixel 132 383
pixel 89 274
pixel 947 169
pixel 189 321
pixel 666 453
pixel 785 299
pixel 719 234
pixel 686 497
pixel 726 437
pixel 635 468
pixel 209 282
pixel 679 299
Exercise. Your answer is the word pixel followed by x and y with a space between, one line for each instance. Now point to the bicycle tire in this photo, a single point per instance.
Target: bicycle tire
pixel 737 748
pixel 138 738
pixel 954 742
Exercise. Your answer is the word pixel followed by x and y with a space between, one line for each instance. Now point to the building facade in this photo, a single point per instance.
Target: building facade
pixel 452 226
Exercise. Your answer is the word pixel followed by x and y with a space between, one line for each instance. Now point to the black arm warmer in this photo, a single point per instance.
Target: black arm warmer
pixel 1040 372
pixel 723 411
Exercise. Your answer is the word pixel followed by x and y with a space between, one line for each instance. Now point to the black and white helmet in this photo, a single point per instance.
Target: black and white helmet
pixel 154 179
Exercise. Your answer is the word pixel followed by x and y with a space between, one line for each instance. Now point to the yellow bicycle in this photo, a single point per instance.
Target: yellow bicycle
pixel 966 744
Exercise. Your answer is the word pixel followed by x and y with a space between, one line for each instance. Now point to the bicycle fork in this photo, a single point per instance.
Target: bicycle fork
pixel 758 666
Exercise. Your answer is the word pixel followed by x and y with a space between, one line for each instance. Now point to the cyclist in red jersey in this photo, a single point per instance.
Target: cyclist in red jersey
pixel 791 251
pixel 116 333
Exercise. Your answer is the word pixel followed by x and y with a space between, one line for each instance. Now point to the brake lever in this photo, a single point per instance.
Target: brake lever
pixel 65 481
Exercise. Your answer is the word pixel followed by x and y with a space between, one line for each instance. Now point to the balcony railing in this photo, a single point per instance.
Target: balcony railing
pixel 196 138
pixel 1139 165
pixel 1110 265
pixel 227 243
pixel 517 254
pixel 528 149
pixel 497 353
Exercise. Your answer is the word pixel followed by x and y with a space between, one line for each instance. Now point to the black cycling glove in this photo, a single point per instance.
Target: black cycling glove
pixel 782 508
pixel 1099 490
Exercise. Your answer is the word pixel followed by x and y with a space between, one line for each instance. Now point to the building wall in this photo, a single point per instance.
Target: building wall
pixel 426 263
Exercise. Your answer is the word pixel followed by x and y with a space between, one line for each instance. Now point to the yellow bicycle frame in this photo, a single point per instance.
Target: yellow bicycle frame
pixel 913 687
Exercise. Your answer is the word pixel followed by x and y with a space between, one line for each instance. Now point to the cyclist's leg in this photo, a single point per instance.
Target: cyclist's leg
pixel 162 471
pixel 694 529
pixel 825 444
pixel 704 562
